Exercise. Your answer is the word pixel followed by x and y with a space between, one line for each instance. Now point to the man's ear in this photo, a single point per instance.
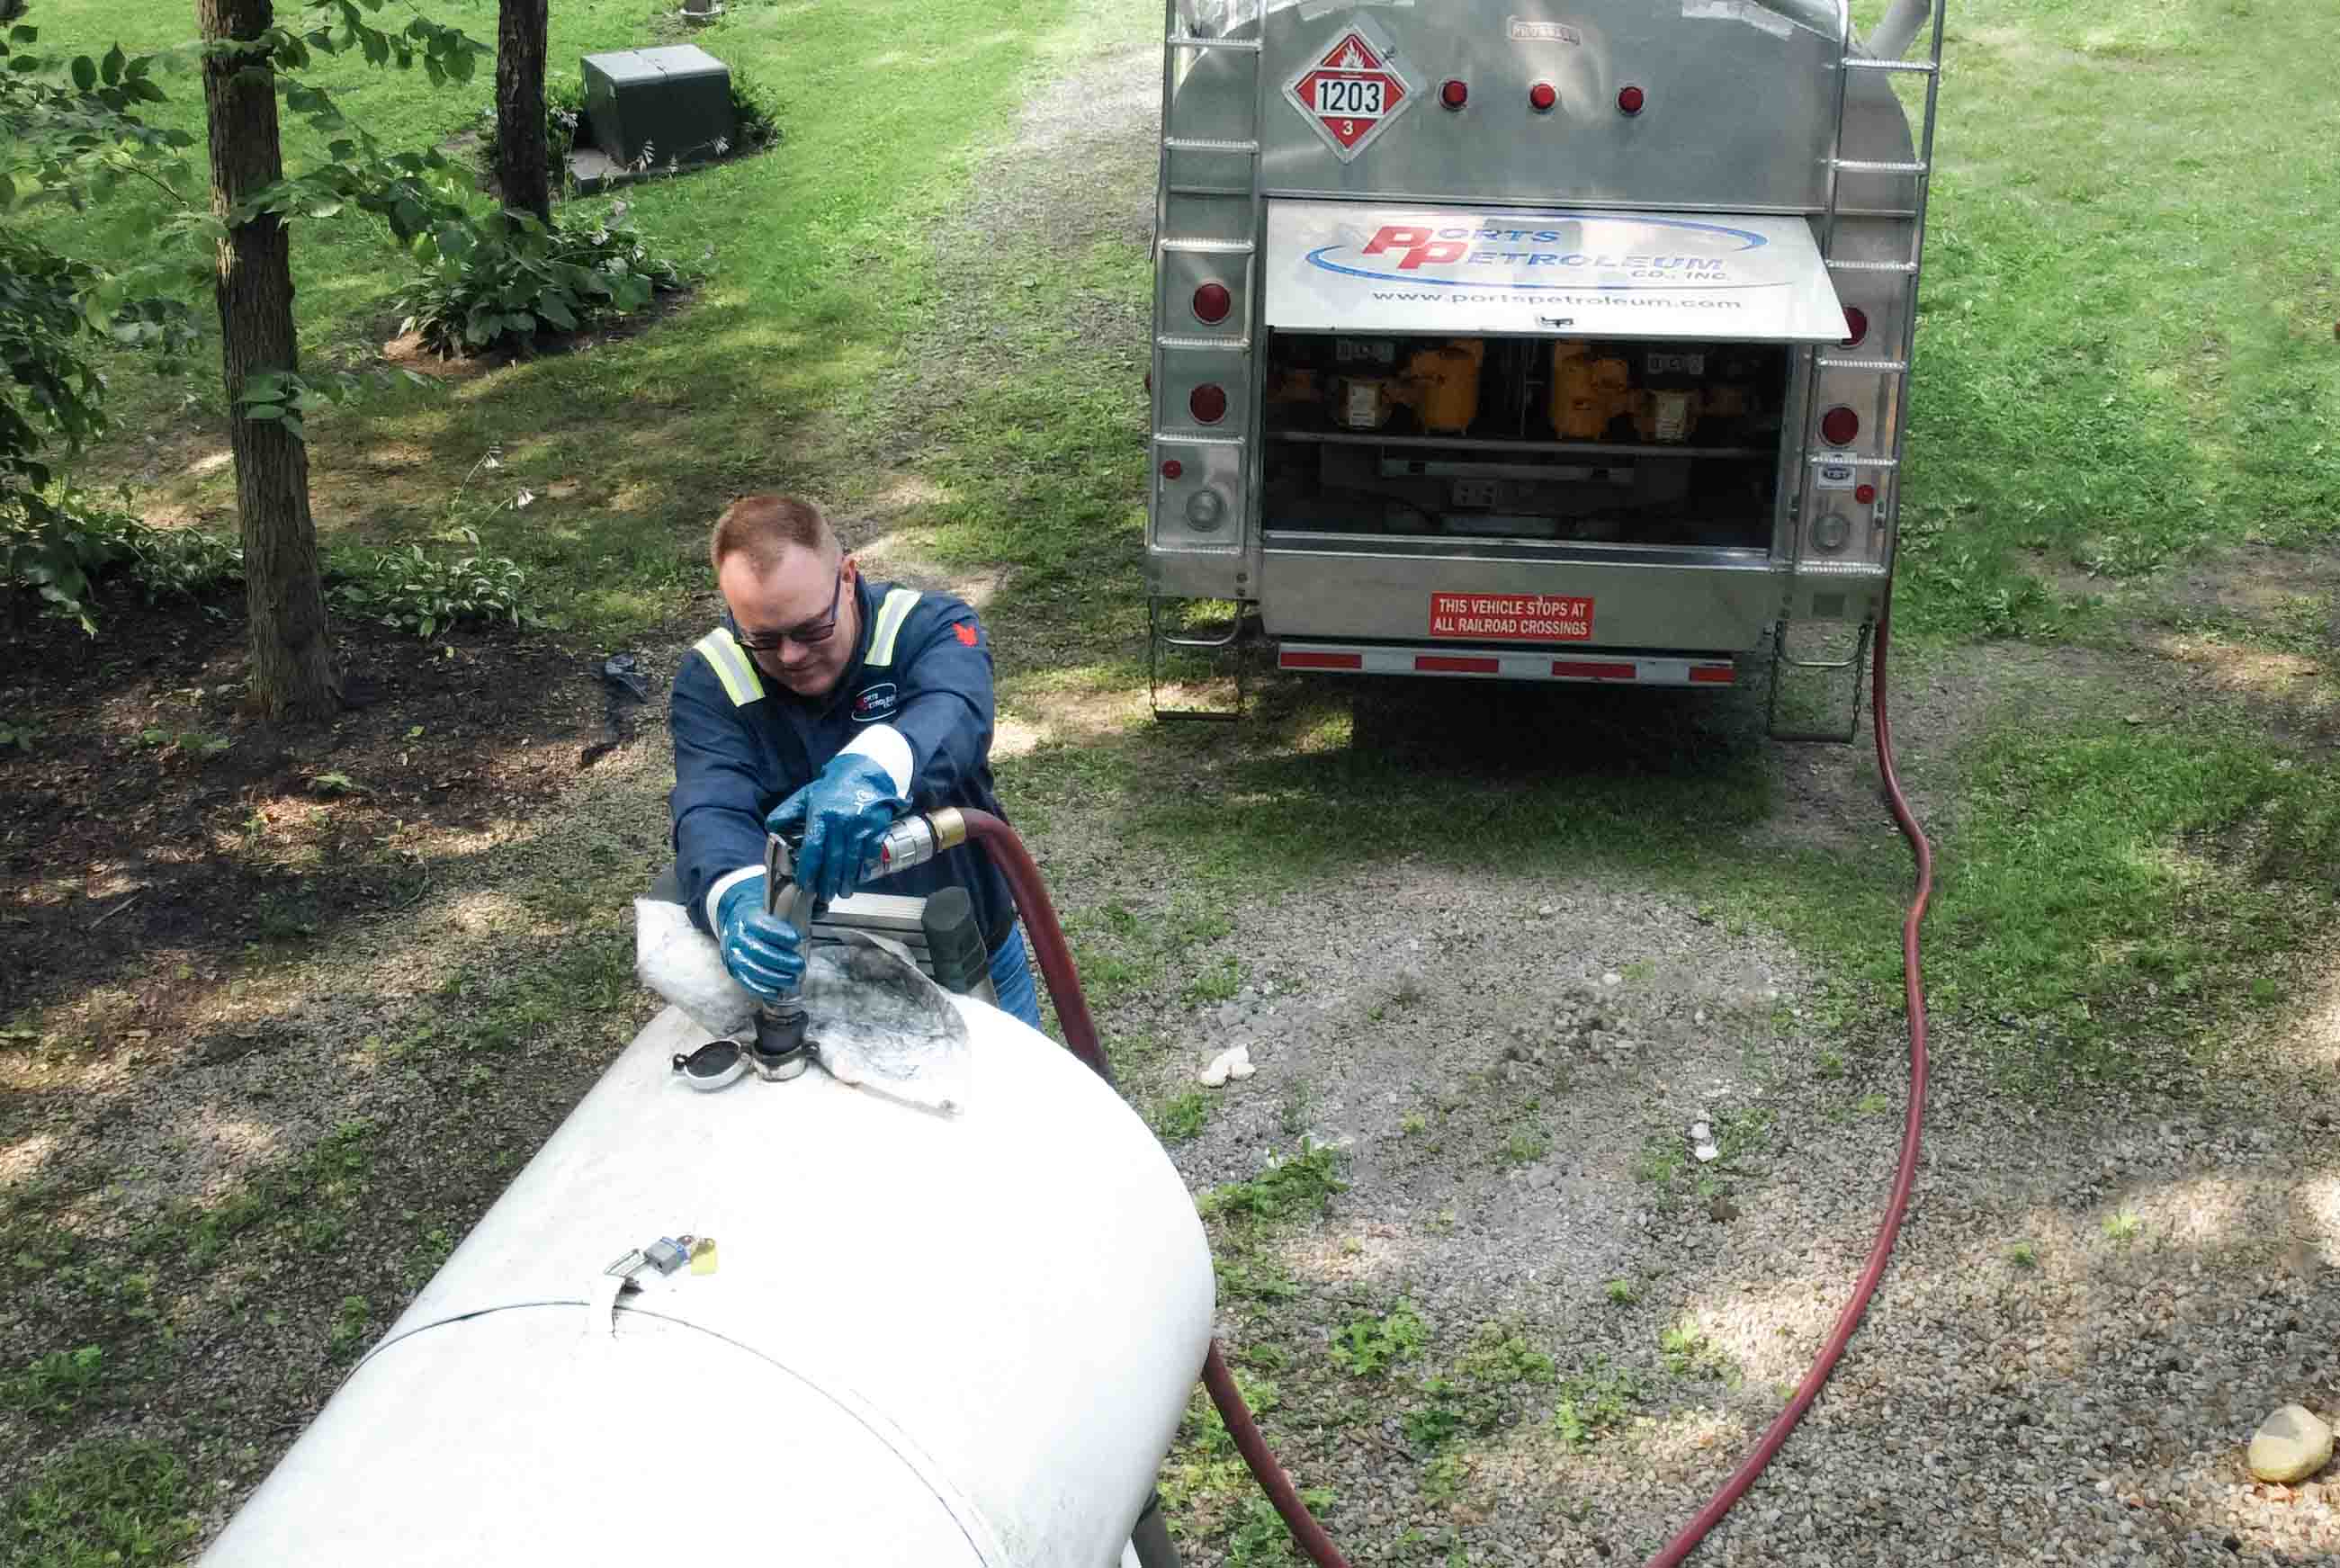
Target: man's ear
pixel 847 564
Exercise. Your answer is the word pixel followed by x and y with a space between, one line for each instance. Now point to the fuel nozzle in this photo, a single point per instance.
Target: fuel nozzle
pixel 916 839
pixel 780 1049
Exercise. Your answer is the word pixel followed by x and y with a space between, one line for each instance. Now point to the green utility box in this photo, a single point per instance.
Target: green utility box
pixel 659 106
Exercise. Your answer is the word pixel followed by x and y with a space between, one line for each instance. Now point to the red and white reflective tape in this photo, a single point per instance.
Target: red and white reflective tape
pixel 1507 665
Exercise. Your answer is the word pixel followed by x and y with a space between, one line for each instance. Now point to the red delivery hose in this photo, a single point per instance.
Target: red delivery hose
pixel 1014 862
pixel 1007 852
pixel 1914 993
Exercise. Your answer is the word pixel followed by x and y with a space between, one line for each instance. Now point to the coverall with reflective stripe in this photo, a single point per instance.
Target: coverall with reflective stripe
pixel 915 697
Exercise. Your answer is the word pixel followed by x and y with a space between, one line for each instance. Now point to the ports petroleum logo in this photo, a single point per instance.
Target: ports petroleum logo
pixel 1574 250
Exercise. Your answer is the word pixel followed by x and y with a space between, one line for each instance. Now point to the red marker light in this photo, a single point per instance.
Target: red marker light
pixel 1858 320
pixel 1208 404
pixel 1212 302
pixel 1541 97
pixel 1840 425
pixel 1172 468
pixel 1864 494
pixel 1455 93
pixel 1631 100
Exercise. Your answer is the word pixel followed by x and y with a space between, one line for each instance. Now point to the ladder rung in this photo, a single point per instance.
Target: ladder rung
pixel 1236 345
pixel 1839 364
pixel 1208 145
pixel 1210 247
pixel 1839 460
pixel 1872 166
pixel 1838 263
pixel 1240 46
pixel 1862 62
pixel 1243 192
pixel 1196 438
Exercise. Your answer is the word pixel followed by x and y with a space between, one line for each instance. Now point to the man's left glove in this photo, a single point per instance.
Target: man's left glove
pixel 844 813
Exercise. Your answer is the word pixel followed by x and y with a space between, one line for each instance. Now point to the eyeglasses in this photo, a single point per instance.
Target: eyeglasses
pixel 803 636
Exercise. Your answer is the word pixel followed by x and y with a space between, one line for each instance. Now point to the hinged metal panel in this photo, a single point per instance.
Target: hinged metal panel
pixel 1528 272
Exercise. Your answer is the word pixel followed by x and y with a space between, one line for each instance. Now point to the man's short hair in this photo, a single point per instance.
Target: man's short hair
pixel 763 527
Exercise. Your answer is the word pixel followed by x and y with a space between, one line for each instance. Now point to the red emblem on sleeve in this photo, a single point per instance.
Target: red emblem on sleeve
pixel 966 633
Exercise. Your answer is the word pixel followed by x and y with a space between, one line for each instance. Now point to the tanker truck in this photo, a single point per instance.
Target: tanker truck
pixel 1533 341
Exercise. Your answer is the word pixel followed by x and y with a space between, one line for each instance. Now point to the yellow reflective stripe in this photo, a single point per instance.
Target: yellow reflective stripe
pixel 731 667
pixel 897 609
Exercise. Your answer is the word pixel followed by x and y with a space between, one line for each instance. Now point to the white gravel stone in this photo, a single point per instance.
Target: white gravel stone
pixel 2291 1444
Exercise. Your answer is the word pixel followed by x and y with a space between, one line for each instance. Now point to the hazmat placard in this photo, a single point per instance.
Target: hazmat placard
pixel 1512 617
pixel 1351 90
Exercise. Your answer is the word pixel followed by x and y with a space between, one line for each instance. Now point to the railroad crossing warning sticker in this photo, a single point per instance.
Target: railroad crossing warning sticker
pixel 1352 90
pixel 1512 617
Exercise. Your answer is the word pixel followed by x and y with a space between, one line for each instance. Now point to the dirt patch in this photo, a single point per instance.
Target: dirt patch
pixel 153 832
pixel 2291 594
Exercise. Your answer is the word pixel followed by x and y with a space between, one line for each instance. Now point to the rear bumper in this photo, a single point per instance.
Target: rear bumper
pixel 1593 665
pixel 1339 588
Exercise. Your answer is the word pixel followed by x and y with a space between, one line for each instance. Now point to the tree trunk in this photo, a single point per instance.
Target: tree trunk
pixel 523 172
pixel 291 661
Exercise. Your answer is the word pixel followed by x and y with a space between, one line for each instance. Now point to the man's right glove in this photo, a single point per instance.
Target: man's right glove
pixel 845 813
pixel 763 952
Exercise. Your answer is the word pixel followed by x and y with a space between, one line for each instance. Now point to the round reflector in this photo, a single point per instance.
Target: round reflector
pixel 1831 531
pixel 1858 320
pixel 1455 93
pixel 1542 97
pixel 1838 426
pixel 1172 468
pixel 1205 510
pixel 1864 494
pixel 1208 402
pixel 1631 100
pixel 1212 302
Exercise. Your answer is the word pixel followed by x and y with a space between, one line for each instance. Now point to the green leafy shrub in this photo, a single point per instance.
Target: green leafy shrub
pixel 183 563
pixel 63 546
pixel 409 590
pixel 564 112
pixel 513 279
pixel 755 113
pixel 58 547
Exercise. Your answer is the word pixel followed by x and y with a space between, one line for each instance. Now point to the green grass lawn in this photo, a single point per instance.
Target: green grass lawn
pixel 2127 348
pixel 818 265
pixel 2125 358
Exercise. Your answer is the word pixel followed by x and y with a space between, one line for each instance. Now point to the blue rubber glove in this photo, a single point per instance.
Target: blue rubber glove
pixel 844 813
pixel 763 952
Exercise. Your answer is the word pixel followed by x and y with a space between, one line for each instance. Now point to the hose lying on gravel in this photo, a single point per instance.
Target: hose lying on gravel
pixel 1080 1034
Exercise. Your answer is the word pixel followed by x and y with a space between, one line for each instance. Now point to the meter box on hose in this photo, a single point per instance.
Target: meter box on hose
pixel 1563 347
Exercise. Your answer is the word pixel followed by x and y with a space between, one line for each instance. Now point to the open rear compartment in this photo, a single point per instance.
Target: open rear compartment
pixel 1531 428
pixel 1656 443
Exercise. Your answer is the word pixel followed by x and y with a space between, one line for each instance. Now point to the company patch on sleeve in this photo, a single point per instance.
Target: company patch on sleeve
pixel 965 633
pixel 876 702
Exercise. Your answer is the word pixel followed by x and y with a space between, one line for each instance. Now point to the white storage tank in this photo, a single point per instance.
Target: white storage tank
pixel 924 1339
